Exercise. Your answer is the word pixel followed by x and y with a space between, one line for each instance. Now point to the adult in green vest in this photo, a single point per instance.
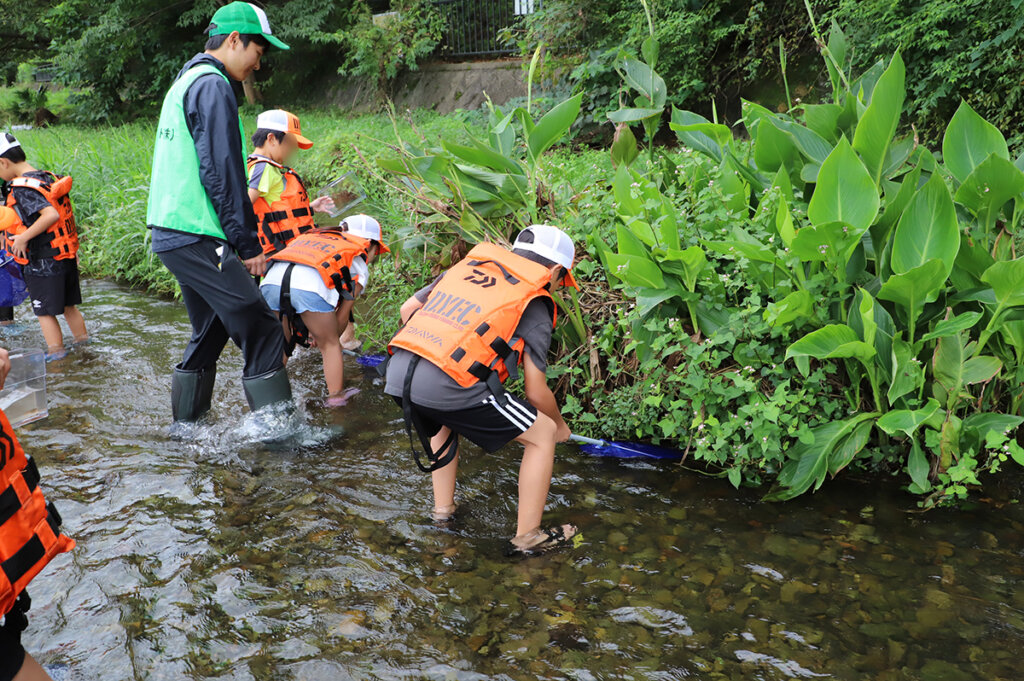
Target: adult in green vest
pixel 202 222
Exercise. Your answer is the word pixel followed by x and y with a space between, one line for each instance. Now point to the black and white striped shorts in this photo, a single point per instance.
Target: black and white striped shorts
pixel 491 425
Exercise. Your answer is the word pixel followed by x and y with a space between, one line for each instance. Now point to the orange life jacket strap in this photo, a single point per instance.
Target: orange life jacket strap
pixel 28 556
pixel 9 500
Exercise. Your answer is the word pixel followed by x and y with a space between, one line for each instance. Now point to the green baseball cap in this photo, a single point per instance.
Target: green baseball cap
pixel 246 18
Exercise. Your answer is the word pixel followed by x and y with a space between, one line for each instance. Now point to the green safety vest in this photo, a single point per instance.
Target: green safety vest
pixel 177 198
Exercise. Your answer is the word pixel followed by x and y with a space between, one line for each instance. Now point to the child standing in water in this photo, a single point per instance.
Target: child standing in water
pixel 44 241
pixel 481 322
pixel 313 283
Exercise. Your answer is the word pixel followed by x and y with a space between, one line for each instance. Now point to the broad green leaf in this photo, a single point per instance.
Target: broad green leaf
pixel 834 341
pixel 845 191
pixel 907 372
pixel 668 228
pixel 1006 278
pixel 953 325
pixel 773 148
pixel 894 207
pixel 634 239
pixel 784 223
pixel 734 189
pixel 482 155
pixel 808 464
pixel 735 248
pixel 948 365
pixel 553 126
pixel 693 261
pixel 878 124
pixel 918 468
pixel 907 421
pixel 987 422
pixel 873 316
pixel 969 140
pixel 811 144
pixel 796 305
pixel 698 139
pixel 632 114
pixel 830 242
pixel 994 182
pixel 634 270
pixel 644 80
pixel 913 289
pixel 981 369
pixel 928 229
pixel 838 47
pixel 899 152
pixel 622 188
pixel 824 120
pixel 848 447
pixel 649 299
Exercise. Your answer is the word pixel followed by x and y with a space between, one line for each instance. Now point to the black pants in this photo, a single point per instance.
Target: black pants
pixel 223 302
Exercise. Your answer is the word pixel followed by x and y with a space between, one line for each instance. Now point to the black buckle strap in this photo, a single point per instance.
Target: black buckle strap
pixel 9 502
pixel 448 451
pixel 18 565
pixel 299 332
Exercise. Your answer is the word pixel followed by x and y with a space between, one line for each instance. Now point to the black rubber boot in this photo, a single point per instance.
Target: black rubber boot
pixel 191 393
pixel 270 388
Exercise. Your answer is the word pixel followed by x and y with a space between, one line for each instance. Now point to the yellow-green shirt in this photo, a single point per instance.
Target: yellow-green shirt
pixel 267 180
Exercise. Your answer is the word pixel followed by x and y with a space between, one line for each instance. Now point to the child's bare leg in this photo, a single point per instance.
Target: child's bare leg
pixel 31 671
pixel 323 326
pixel 348 336
pixel 52 334
pixel 535 472
pixel 76 323
pixel 444 478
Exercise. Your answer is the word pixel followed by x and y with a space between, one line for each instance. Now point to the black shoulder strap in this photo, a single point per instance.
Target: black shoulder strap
pixel 299 332
pixel 443 456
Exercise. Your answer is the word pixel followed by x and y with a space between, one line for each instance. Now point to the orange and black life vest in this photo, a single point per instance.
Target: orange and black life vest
pixel 60 241
pixel 288 217
pixel 467 329
pixel 30 534
pixel 329 252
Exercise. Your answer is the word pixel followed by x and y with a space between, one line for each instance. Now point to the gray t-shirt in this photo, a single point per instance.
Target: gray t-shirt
pixel 435 389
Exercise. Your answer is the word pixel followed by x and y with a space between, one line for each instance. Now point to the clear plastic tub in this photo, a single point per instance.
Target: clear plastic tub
pixel 23 398
pixel 345 192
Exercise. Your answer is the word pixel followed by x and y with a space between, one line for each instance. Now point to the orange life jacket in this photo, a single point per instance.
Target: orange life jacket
pixel 467 326
pixel 60 241
pixel 330 253
pixel 288 217
pixel 30 534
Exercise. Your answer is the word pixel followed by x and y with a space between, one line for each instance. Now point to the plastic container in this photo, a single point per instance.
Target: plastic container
pixel 345 192
pixel 23 398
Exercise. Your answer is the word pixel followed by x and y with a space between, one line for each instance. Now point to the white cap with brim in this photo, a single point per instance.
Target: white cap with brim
pixel 365 227
pixel 7 144
pixel 553 244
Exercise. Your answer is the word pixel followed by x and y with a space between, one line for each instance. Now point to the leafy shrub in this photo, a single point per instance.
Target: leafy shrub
pixel 954 49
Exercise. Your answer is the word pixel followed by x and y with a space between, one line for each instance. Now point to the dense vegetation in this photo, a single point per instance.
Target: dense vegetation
pixel 828 290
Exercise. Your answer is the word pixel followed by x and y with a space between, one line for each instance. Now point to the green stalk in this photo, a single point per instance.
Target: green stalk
pixel 785 80
pixel 529 77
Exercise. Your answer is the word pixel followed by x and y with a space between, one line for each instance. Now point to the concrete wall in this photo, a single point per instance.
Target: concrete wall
pixel 443 87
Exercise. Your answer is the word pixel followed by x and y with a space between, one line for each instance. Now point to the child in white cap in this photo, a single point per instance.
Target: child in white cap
pixel 483 321
pixel 313 283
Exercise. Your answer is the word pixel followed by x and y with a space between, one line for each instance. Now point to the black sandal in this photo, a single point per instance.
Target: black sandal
pixel 552 539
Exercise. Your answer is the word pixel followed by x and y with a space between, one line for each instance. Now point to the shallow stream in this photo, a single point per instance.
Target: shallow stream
pixel 218 558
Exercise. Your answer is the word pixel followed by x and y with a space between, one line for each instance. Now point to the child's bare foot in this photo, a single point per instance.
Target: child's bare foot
pixel 540 541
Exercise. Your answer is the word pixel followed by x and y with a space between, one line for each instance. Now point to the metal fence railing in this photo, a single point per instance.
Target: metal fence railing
pixel 473 26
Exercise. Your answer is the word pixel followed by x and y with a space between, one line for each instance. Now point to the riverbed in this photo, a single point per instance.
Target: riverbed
pixel 222 558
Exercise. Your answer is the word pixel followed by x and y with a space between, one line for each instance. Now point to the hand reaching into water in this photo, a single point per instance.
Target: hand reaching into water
pixel 342 398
